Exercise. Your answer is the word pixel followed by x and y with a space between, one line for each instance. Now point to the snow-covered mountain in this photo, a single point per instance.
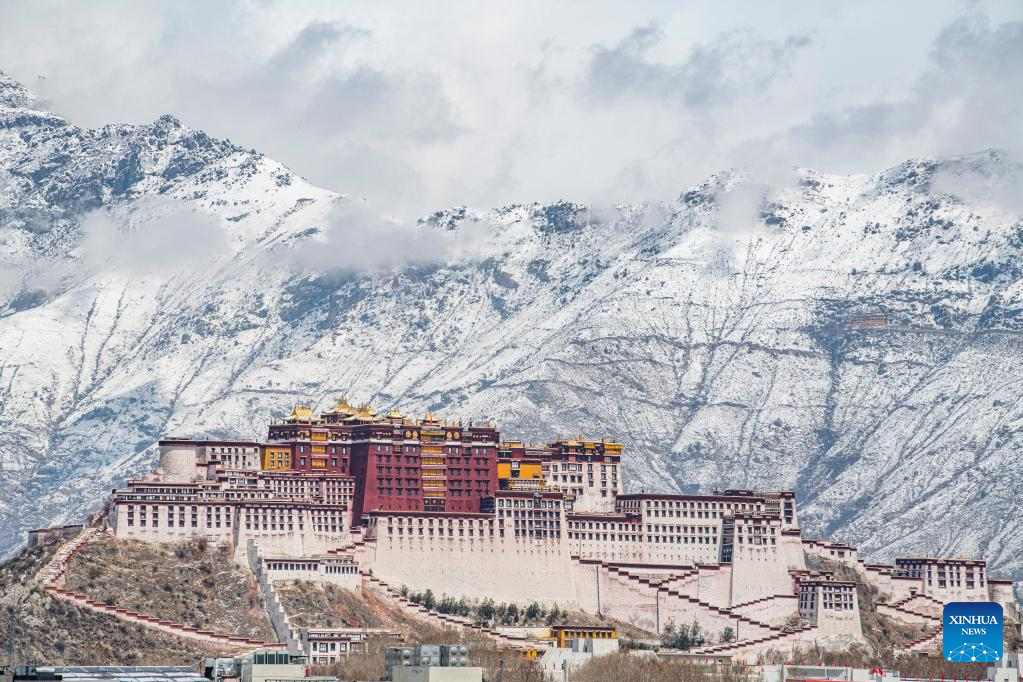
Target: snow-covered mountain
pixel 157 281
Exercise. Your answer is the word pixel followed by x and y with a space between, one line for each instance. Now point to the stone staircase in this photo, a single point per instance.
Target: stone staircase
pixel 272 603
pixel 757 645
pixel 929 601
pixel 354 548
pixel 672 593
pixel 436 619
pixel 54 570
pixel 926 642
pixel 908 616
pixel 901 610
pixel 54 582
pixel 762 600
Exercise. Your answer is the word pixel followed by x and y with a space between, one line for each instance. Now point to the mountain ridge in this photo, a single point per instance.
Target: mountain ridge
pixel 711 334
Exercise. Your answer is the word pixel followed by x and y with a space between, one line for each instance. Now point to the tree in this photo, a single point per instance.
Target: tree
pixel 669 636
pixel 728 634
pixel 447 605
pixel 485 611
pixel 683 636
pixel 533 612
pixel 696 637
pixel 553 615
pixel 428 600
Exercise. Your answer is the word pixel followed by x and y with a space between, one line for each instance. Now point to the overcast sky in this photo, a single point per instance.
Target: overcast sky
pixel 423 105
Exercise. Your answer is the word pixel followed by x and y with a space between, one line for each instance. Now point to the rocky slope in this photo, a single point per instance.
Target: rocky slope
pixel 157 281
pixel 53 631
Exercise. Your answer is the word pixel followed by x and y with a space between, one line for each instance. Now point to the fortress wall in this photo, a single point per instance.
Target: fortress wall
pixel 792 547
pixel 477 567
pixel 644 552
pixel 164 533
pixel 278 569
pixel 714 584
pixel 838 628
pixel 758 571
pixel 683 612
pixel 903 587
pixel 1001 592
pixel 685 584
pixel 952 592
pixel 584 580
pixel 879 578
pixel 288 543
pixel 635 602
pixel 42 536
pixel 748 653
pixel 317 574
pixel 662 572
pixel 923 604
pixel 179 463
pixel 272 603
pixel 622 597
pixel 832 551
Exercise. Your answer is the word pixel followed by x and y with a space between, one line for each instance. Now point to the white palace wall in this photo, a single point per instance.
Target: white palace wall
pixel 646 552
pixel 838 627
pixel 504 569
pixel 758 571
pixel 1001 592
pixel 774 610
pixel 320 530
pixel 714 584
pixel 792 547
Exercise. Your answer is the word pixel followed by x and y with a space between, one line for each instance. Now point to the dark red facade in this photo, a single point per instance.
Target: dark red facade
pixel 427 465
pixel 398 464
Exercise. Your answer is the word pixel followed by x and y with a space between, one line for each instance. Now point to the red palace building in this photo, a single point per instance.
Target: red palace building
pixel 398 464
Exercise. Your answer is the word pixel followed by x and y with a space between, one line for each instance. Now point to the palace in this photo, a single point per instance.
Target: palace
pixel 448 506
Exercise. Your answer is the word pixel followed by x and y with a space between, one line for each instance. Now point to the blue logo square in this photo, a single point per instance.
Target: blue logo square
pixel 972 631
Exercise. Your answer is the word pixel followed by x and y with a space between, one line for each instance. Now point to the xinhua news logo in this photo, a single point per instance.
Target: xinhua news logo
pixel 972 631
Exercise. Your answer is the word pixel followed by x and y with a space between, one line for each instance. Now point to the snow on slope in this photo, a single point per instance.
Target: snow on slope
pixel 718 350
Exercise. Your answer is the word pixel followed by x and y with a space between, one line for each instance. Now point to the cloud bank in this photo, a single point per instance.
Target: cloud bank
pixel 417 106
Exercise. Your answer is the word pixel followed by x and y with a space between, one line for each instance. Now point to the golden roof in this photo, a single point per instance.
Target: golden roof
pixel 301 413
pixel 430 417
pixel 364 411
pixel 342 407
pixel 394 414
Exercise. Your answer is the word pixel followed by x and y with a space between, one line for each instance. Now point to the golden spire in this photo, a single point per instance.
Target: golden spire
pixel 342 407
pixel 300 413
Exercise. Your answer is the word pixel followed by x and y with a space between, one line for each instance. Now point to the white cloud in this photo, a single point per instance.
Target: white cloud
pixel 712 75
pixel 419 106
pixel 160 242
pixel 994 184
pixel 354 236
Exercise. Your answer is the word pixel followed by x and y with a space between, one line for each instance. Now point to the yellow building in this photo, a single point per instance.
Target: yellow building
pixel 520 474
pixel 561 634
pixel 276 457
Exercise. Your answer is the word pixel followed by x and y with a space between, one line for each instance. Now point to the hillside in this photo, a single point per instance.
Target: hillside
pixel 324 605
pixel 51 631
pixel 161 282
pixel 187 583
